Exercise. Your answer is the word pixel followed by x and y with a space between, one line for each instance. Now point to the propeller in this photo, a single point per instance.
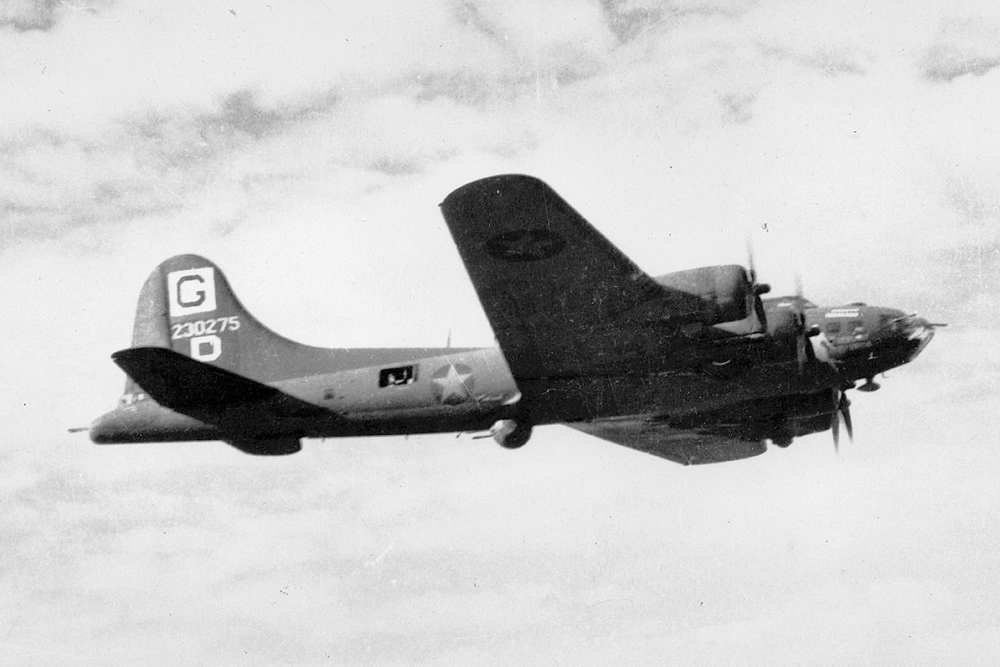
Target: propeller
pixel 802 346
pixel 756 288
pixel 799 318
pixel 841 410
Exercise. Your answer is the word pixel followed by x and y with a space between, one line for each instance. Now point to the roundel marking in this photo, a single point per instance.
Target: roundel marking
pixel 525 245
pixel 452 384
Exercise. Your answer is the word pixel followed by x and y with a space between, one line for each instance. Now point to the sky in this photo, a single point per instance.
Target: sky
pixel 304 147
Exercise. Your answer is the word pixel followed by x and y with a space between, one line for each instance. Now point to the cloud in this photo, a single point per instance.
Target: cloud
pixel 969 45
pixel 42 15
pixel 53 183
pixel 172 164
pixel 304 148
pixel 28 15
pixel 627 21
pixel 102 138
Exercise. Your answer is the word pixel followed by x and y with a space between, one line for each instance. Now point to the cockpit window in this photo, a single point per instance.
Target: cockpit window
pixel 833 328
pixel 856 326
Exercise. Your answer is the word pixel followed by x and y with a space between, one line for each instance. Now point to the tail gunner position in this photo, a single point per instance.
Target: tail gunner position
pixel 694 366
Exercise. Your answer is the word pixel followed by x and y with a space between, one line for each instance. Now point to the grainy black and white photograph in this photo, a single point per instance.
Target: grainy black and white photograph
pixel 469 332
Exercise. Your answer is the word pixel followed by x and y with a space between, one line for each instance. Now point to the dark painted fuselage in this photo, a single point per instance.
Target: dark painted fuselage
pixel 446 390
pixel 694 366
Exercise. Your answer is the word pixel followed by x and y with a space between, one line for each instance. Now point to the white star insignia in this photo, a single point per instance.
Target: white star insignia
pixel 452 385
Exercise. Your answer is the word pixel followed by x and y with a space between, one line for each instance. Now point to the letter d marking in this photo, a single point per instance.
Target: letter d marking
pixel 206 348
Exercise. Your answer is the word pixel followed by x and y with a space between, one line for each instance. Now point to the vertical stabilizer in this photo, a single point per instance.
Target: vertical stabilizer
pixel 187 305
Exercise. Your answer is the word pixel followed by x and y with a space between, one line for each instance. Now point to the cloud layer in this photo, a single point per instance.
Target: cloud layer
pixel 305 148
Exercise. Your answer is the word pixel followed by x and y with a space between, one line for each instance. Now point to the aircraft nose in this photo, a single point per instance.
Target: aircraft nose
pixel 917 329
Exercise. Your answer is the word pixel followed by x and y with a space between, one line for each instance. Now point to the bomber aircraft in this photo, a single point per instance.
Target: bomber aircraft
pixel 695 366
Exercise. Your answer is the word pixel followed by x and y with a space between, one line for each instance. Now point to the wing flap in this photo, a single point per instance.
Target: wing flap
pixel 684 446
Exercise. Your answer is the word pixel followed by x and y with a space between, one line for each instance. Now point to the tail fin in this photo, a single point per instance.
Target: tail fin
pixel 187 305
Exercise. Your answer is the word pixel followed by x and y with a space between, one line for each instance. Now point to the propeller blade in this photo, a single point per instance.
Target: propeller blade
pixel 799 313
pixel 835 429
pixel 758 308
pixel 841 410
pixel 800 351
pixel 756 289
pixel 751 265
pixel 845 410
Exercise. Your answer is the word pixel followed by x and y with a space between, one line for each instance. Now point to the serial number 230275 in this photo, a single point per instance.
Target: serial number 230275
pixel 202 327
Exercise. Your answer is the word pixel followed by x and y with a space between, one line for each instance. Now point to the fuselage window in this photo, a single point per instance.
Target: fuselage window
pixel 397 377
pixel 833 328
pixel 856 327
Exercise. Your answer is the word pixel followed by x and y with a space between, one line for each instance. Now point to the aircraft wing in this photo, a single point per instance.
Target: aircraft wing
pixel 562 300
pixel 684 446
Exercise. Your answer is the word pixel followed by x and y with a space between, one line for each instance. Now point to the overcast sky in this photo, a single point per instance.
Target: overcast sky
pixel 304 147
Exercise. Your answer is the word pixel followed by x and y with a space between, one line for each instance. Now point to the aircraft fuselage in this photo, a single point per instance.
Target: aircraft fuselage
pixel 468 390
pixel 694 366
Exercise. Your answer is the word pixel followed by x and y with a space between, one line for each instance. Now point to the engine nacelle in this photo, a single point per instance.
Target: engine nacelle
pixel 726 291
pixel 510 433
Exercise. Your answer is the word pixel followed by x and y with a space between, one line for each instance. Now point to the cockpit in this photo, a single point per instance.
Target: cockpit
pixel 788 302
pixel 847 330
pixel 853 324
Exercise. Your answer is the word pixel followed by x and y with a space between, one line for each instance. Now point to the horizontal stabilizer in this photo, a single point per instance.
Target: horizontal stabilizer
pixel 179 382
